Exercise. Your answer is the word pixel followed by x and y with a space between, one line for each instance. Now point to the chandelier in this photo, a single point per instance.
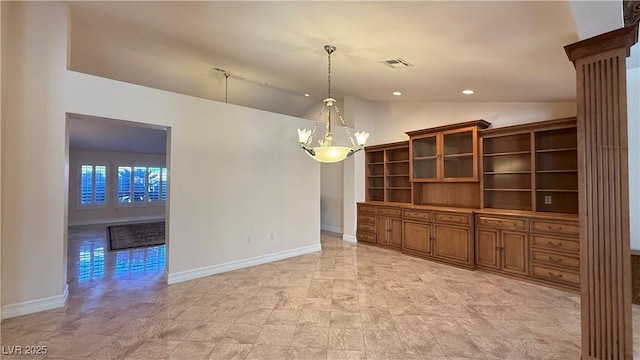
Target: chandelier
pixel 327 152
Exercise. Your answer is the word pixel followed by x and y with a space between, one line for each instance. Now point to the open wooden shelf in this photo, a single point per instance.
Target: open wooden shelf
pixel 556 171
pixel 527 190
pixel 557 150
pixel 388 173
pixel 506 172
pixel 458 155
pixel 531 168
pixel 507 153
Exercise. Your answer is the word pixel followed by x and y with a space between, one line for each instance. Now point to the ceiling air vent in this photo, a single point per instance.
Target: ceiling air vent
pixel 397 63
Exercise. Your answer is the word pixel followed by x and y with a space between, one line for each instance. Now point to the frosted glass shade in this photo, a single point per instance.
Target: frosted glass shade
pixel 331 154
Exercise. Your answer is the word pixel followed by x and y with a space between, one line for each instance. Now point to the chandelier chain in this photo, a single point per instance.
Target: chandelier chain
pixel 329 76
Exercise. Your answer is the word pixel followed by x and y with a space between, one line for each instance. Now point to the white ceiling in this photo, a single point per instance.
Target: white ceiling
pixel 505 51
pixel 101 134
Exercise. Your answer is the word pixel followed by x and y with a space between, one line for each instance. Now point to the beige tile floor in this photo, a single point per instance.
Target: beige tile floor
pixel 347 302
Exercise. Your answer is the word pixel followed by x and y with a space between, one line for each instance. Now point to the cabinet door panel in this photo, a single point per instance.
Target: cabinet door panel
pixel 487 248
pixel 395 237
pixel 451 243
pixel 417 237
pixel 382 224
pixel 514 252
pixel 425 153
pixel 459 154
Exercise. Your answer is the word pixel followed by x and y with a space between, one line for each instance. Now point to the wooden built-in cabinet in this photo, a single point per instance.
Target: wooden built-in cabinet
pixel 555 251
pixel 367 223
pixel 502 244
pixel 531 167
pixel 387 173
pixel 432 233
pixel 447 153
pixel 389 227
pixel 540 247
pixel 438 235
pixel 444 165
pixel 503 200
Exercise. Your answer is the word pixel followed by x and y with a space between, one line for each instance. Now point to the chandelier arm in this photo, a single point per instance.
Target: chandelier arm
pixel 346 129
pixel 310 139
pixel 315 126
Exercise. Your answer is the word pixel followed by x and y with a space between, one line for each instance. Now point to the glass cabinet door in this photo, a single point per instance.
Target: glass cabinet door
pixel 425 164
pixel 458 155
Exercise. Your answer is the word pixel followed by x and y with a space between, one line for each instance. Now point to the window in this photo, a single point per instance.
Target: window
pixel 138 184
pixel 93 185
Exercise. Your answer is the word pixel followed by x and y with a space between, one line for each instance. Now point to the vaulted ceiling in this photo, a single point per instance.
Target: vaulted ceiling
pixel 503 50
pixel 506 51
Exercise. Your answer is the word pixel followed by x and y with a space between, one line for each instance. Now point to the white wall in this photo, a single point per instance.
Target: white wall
pixel 331 196
pixel 394 119
pixel 33 173
pixel 633 113
pixel 593 18
pixel 234 172
pixel 112 212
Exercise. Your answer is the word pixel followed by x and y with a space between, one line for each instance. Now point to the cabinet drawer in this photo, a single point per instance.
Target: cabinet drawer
pixel 570 228
pixel 365 236
pixel 366 227
pixel 452 218
pixel 390 212
pixel 365 209
pixel 555 275
pixel 555 259
pixel 503 223
pixel 548 242
pixel 417 215
pixel 366 219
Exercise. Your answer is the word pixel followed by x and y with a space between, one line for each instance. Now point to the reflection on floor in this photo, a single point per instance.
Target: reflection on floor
pixel 347 302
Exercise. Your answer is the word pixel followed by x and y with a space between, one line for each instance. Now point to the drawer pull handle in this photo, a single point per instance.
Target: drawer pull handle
pixel 555 260
pixel 554 244
pixel 557 276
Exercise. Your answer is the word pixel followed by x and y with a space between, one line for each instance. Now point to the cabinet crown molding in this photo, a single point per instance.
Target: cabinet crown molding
pixel 482 124
pixel 621 38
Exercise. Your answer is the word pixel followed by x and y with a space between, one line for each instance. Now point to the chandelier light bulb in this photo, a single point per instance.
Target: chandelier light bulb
pixel 304 135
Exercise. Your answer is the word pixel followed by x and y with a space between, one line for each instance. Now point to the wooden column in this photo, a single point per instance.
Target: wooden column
pixel 605 260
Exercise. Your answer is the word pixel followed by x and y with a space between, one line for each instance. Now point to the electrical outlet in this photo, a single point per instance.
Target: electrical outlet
pixel 547 200
pixel 271 237
pixel 249 239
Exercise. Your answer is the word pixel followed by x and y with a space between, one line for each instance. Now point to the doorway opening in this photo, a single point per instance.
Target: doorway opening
pixel 118 191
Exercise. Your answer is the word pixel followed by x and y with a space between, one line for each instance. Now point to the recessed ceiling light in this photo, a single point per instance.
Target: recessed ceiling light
pixel 397 93
pixel 468 92
pixel 307 95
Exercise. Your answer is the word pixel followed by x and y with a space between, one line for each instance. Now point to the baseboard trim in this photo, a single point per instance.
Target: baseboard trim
pixel 349 238
pixel 187 275
pixel 330 228
pixel 115 221
pixel 34 306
